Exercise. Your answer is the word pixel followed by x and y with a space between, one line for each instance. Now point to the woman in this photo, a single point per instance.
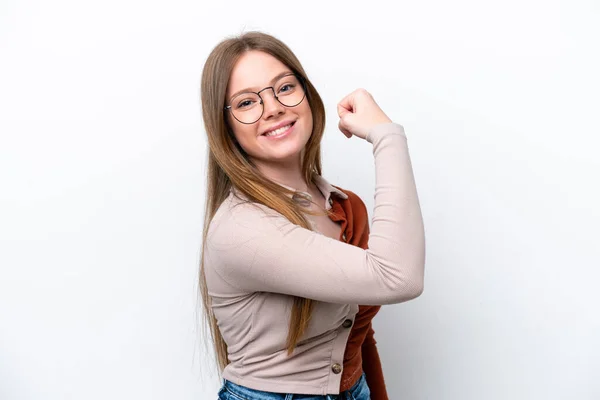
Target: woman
pixel 280 278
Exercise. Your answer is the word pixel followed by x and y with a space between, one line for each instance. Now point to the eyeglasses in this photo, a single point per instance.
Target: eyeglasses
pixel 248 107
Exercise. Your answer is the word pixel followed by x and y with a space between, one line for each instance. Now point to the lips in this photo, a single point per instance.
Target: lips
pixel 278 126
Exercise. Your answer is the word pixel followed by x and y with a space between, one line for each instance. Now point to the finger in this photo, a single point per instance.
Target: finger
pixel 347 104
pixel 342 110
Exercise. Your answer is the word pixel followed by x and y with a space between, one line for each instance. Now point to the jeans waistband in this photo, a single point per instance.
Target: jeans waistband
pixel 239 392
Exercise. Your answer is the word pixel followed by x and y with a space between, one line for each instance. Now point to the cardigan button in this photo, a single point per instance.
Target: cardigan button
pixel 347 323
pixel 336 368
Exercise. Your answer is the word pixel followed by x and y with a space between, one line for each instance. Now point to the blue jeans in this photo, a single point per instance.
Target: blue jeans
pixel 231 391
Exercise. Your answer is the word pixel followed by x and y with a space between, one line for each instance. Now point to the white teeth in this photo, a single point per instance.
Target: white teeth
pixel 278 131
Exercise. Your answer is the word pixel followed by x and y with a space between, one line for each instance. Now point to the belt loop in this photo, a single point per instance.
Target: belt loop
pixel 289 396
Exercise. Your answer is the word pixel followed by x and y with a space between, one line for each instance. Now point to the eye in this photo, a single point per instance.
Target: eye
pixel 244 104
pixel 288 87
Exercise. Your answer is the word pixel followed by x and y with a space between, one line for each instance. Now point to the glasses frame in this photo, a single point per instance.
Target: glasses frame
pixel 274 95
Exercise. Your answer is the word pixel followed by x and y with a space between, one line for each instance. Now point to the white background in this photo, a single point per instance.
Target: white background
pixel 102 164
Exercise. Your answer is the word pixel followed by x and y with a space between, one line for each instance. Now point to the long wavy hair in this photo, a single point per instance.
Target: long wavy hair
pixel 229 166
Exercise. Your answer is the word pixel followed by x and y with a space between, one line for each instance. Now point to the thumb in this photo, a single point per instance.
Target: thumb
pixel 344 129
pixel 347 124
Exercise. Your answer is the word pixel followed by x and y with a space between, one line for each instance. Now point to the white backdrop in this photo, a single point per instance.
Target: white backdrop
pixel 102 163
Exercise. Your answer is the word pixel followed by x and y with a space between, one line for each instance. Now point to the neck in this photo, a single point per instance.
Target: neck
pixel 287 174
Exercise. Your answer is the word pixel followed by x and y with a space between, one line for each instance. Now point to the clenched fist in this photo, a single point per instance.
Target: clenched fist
pixel 359 113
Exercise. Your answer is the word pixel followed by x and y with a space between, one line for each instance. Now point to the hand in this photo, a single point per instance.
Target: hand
pixel 359 113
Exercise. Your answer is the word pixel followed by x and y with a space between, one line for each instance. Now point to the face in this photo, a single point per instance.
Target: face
pixel 280 134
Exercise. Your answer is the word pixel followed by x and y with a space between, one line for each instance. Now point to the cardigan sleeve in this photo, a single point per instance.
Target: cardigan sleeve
pixel 251 248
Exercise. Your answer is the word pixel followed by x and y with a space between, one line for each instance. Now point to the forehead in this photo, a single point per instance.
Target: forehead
pixel 254 70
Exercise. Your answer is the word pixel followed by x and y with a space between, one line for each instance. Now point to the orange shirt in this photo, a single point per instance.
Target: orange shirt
pixel 361 350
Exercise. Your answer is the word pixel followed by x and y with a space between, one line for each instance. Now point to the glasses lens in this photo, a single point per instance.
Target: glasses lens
pixel 289 91
pixel 246 107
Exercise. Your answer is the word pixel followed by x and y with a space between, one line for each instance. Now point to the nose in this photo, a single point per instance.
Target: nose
pixel 272 106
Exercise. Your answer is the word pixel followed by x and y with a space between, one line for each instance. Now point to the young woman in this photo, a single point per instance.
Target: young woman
pixel 285 262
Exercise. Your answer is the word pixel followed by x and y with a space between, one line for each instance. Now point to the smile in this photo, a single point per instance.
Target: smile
pixel 279 132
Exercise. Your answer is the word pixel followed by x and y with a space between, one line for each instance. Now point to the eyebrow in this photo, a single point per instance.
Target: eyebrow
pixel 278 76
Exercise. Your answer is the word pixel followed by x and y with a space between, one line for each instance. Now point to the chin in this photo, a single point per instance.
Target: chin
pixel 287 157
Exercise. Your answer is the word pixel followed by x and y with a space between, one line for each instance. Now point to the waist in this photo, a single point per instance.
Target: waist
pixel 359 391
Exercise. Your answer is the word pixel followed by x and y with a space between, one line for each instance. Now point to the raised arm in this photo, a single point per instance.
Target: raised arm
pixel 251 248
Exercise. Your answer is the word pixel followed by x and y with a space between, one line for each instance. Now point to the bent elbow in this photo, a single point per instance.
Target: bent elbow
pixel 417 282
pixel 409 288
pixel 416 289
pixel 403 291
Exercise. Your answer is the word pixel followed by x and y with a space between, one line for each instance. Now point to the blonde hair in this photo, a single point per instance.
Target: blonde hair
pixel 229 166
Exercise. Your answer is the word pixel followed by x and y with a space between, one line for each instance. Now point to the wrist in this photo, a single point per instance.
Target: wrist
pixel 384 129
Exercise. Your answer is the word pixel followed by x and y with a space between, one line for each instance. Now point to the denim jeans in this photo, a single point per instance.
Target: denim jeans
pixel 231 391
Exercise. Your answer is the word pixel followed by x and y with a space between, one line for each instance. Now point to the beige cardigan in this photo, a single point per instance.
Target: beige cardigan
pixel 256 260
